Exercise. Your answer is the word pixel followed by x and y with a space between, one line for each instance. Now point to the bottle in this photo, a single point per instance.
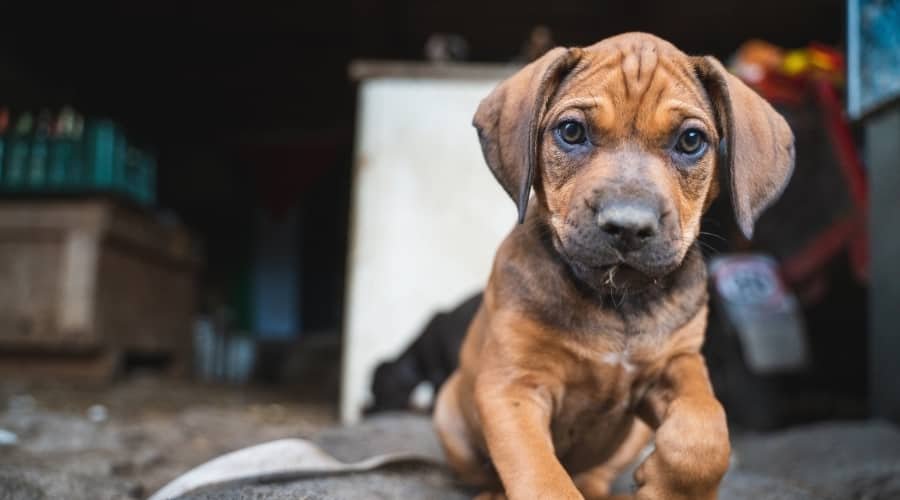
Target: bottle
pixel 131 174
pixel 101 153
pixel 148 179
pixel 120 163
pixel 17 155
pixel 76 173
pixel 4 127
pixel 40 151
pixel 61 147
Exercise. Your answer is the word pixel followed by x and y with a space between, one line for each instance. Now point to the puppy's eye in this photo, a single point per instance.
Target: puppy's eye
pixel 691 142
pixel 571 132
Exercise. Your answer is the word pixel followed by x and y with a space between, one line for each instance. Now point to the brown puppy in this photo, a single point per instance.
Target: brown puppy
pixel 588 339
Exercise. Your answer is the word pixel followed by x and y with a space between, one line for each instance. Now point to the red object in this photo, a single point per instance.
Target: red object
pixel 819 251
pixel 284 171
pixel 849 233
pixel 4 120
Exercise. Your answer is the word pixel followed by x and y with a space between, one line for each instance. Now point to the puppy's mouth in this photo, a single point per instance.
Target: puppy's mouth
pixel 607 268
pixel 621 275
pixel 620 272
pixel 632 269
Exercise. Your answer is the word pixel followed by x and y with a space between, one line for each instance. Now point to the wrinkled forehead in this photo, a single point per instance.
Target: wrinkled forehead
pixel 636 79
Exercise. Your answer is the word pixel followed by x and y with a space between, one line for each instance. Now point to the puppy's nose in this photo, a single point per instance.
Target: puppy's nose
pixel 628 226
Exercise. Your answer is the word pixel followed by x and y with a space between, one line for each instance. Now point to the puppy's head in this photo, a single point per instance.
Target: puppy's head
pixel 625 143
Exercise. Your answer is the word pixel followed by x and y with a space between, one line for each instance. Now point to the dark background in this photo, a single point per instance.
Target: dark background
pixel 249 105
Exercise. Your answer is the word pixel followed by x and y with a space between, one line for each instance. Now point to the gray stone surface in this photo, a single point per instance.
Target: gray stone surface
pixel 402 482
pixel 37 483
pixel 743 485
pixel 835 461
pixel 386 433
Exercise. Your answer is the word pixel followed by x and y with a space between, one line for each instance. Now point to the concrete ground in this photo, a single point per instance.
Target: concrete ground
pixel 127 440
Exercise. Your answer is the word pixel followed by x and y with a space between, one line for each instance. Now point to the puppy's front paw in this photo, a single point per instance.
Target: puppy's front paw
pixel 675 473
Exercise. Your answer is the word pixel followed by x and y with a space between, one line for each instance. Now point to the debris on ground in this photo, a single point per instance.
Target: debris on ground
pixel 153 431
pixel 129 439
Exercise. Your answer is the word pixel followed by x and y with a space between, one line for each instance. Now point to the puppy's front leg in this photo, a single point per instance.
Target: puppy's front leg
pixel 515 419
pixel 692 446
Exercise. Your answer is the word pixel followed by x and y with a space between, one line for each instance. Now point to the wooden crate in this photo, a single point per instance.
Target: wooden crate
pixel 83 282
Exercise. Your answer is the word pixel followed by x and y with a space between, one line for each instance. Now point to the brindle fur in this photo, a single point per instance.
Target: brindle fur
pixel 581 351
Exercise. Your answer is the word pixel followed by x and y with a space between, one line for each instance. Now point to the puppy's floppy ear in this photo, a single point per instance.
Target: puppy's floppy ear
pixel 758 143
pixel 508 120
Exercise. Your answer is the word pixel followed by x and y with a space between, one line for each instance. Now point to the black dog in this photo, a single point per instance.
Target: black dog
pixel 431 358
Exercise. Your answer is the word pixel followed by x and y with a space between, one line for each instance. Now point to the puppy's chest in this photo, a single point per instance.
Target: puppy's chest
pixel 604 394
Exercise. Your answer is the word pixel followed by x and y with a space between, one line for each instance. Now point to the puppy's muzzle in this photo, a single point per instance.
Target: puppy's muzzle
pixel 628 225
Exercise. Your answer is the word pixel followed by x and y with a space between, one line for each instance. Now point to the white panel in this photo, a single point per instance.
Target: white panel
pixel 427 218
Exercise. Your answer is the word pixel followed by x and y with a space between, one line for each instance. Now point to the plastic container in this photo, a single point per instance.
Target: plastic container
pixel 761 310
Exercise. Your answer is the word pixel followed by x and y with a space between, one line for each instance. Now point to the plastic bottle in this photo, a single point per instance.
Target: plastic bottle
pixel 40 151
pixel 101 153
pixel 76 172
pixel 17 153
pixel 4 128
pixel 61 148
pixel 148 179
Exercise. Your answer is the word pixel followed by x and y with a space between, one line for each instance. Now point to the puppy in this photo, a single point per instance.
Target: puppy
pixel 588 340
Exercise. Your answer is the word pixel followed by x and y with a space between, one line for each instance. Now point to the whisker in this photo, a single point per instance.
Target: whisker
pixel 714 235
pixel 709 249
